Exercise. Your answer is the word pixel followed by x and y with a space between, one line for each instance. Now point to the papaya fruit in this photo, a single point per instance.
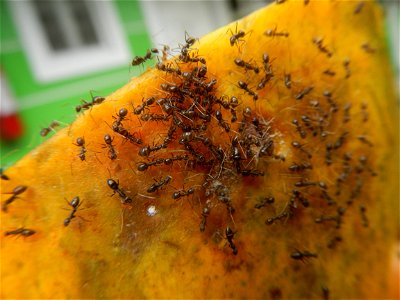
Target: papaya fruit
pixel 258 162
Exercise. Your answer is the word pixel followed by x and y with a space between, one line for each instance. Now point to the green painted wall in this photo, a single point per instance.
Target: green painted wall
pixel 41 103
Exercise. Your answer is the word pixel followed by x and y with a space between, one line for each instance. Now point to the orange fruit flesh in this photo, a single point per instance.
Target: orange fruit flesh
pixel 114 249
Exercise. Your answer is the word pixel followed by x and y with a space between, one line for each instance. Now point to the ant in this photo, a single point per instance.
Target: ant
pixel 146 151
pixel 22 231
pixel 80 142
pixel 166 68
pixel 253 173
pixel 204 214
pixel 285 214
pixel 304 92
pixel 268 72
pixel 328 95
pixel 245 87
pixel 112 154
pixel 363 209
pixel 179 194
pixel 229 236
pixel 114 185
pixel 300 147
pixel 288 80
pixel 139 109
pixel 302 255
pixel 155 186
pixel 299 129
pixel 74 203
pixel 138 60
pixel 300 167
pixel 297 196
pixel 273 32
pixel 359 7
pixel 236 37
pixel 264 202
pixel 307 122
pixel 154 117
pixel 117 124
pixel 364 139
pixel 329 72
pixel 144 166
pixel 247 66
pixel 45 131
pixel 221 121
pixel 86 105
pixel 346 65
pixel 16 191
pixel 305 183
pixel 367 48
pixel 346 112
pixel 318 42
pixel 364 111
pixel 3 176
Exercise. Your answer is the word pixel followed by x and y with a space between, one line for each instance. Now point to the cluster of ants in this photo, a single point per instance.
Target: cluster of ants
pixel 192 108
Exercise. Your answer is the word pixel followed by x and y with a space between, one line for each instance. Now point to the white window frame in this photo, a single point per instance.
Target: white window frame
pixel 49 65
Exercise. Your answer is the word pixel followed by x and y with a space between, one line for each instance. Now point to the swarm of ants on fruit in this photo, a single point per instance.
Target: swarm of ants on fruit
pixel 191 106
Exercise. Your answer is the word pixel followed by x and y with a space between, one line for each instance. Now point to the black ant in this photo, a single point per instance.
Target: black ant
pixel 45 131
pixel 285 214
pixel 299 146
pixel 367 48
pixel 229 236
pixel 299 129
pixel 86 105
pixel 22 231
pixel 117 124
pixel 268 72
pixel 273 32
pixel 142 166
pixel 114 185
pixel 204 214
pixel 346 112
pixel 182 193
pixel 288 80
pixel 155 186
pixel 236 37
pixel 139 109
pixel 318 42
pixel 359 7
pixel 80 142
pixel 112 154
pixel 364 139
pixel 328 95
pixel 221 121
pixel 247 66
pixel 168 161
pixel 18 190
pixel 300 167
pixel 305 183
pixel 304 92
pixel 363 210
pixel 146 151
pixel 329 72
pixel 346 65
pixel 332 244
pixel 364 111
pixel 253 173
pixel 3 176
pixel 138 60
pixel 265 201
pixel 296 195
pixel 302 255
pixel 245 87
pixel 166 68
pixel 74 203
pixel 154 117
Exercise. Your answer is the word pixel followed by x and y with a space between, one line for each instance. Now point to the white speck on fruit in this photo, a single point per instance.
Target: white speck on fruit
pixel 151 211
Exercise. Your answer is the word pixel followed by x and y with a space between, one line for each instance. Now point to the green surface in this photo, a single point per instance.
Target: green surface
pixel 41 103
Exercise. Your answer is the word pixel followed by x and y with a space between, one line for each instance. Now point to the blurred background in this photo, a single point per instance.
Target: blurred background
pixel 54 53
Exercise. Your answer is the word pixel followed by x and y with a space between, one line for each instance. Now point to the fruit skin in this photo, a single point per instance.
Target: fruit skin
pixel 116 250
